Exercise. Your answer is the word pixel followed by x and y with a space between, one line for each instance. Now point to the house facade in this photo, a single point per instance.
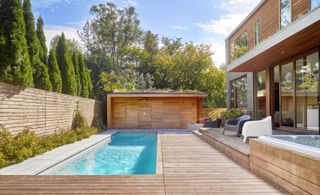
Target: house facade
pixel 272 62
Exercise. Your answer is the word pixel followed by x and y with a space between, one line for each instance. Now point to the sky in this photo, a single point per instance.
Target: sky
pixel 198 21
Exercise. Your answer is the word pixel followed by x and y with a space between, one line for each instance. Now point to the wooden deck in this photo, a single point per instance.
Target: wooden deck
pixel 190 166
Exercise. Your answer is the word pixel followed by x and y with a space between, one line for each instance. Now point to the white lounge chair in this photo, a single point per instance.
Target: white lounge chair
pixel 257 128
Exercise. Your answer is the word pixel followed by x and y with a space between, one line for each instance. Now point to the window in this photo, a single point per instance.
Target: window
pixel 257 32
pixel 261 98
pixel 315 4
pixel 239 93
pixel 240 46
pixel 285 13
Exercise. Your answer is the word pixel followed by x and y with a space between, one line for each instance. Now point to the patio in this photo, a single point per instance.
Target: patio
pixel 229 144
pixel 189 166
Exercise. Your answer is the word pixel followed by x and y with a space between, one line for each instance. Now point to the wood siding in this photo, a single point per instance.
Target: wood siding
pixel 147 113
pixel 269 15
pixel 43 112
pixel 295 172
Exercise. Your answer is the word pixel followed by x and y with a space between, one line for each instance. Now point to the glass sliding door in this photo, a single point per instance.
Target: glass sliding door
pixel 261 95
pixel 287 95
pixel 307 107
pixel 276 86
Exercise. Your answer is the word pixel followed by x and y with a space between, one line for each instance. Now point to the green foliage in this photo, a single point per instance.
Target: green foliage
pixel 42 77
pixel 69 82
pixel 213 81
pixel 231 114
pixel 55 74
pixel 40 70
pixel 117 61
pixel 26 144
pixel 84 79
pixel 75 61
pixel 42 41
pixel 216 113
pixel 15 66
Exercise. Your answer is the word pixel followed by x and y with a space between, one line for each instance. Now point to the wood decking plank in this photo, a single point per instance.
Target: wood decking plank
pixel 189 165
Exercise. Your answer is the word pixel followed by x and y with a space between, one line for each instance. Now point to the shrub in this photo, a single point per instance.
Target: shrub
pixel 26 144
pixel 232 113
pixel 216 113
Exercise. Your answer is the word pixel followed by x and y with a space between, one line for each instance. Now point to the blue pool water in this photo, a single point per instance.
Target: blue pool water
pixel 125 154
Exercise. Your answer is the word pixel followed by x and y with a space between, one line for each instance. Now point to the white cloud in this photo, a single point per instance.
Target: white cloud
pixel 235 11
pixel 224 25
pixel 52 31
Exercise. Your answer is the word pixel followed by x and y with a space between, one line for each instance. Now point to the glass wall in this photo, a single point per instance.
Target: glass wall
pixel 315 4
pixel 285 13
pixel 287 95
pixel 239 93
pixel 261 95
pixel 307 77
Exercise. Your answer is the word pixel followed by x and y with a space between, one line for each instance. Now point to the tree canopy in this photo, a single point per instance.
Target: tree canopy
pixel 122 57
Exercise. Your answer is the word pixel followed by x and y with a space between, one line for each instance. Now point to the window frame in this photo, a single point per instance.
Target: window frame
pixel 255 32
pixel 280 15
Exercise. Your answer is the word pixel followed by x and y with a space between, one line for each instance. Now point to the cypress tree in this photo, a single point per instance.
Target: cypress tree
pixel 15 64
pixel 40 70
pixel 69 82
pixel 55 74
pixel 90 86
pixel 75 62
pixel 42 41
pixel 83 76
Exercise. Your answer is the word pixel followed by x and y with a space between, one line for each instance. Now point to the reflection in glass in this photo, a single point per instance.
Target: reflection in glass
pixel 239 93
pixel 307 70
pixel 261 95
pixel 285 18
pixel 287 94
pixel 315 4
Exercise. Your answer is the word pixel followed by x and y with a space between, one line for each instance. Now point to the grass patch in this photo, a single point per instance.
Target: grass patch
pixel 26 144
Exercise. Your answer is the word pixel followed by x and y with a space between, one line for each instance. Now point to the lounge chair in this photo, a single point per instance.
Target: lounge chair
pixel 236 124
pixel 213 124
pixel 257 128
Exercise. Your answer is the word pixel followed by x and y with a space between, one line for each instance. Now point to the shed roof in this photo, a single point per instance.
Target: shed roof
pixel 157 94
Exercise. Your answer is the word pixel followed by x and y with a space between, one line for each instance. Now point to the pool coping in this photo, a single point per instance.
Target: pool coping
pixel 42 163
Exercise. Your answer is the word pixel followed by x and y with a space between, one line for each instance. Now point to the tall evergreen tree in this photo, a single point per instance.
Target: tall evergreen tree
pixel 83 76
pixel 69 82
pixel 75 62
pixel 42 41
pixel 90 86
pixel 40 70
pixel 15 64
pixel 55 74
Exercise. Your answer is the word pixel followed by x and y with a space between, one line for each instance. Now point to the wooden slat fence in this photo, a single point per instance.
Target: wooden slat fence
pixel 43 111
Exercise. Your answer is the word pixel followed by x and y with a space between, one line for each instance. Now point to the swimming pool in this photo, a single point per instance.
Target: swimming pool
pixel 125 154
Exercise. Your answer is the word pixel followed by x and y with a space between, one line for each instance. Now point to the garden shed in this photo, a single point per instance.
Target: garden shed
pixel 153 109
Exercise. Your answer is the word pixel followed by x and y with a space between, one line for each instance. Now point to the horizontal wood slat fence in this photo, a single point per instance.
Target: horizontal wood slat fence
pixel 42 111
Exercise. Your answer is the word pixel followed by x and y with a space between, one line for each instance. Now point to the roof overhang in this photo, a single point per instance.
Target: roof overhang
pixel 300 36
pixel 156 94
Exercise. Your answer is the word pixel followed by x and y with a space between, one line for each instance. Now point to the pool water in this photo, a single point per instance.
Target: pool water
pixel 308 140
pixel 126 154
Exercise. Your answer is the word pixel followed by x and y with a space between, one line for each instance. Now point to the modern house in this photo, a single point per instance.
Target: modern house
pixel 273 64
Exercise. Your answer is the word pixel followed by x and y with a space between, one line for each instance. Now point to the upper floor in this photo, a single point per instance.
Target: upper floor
pixel 268 18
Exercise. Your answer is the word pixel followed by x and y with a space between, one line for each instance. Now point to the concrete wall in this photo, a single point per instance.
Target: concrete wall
pixel 42 111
